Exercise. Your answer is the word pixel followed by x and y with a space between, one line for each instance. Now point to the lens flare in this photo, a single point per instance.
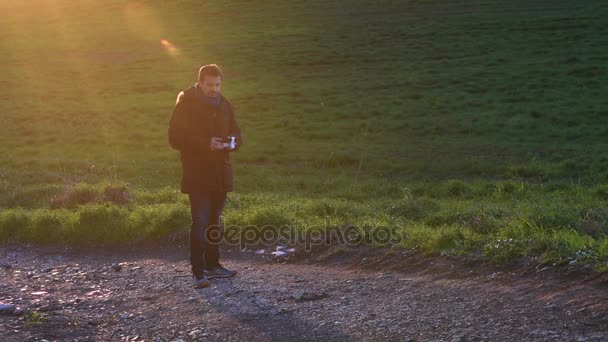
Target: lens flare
pixel 169 47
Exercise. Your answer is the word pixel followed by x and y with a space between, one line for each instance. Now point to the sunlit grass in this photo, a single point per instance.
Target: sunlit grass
pixel 464 128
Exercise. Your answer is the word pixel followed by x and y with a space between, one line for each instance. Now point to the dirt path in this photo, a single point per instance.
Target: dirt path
pixel 337 296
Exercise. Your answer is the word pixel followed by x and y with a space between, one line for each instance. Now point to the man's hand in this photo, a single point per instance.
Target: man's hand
pixel 216 144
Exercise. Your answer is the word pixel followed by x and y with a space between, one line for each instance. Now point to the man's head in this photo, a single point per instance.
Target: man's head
pixel 210 79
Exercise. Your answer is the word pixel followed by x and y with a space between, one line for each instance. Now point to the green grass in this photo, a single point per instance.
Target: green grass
pixel 34 317
pixel 465 124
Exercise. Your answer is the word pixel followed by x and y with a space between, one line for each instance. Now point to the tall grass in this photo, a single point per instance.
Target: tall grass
pixel 503 221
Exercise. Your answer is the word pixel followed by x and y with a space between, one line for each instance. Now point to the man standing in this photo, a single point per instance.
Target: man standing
pixel 200 128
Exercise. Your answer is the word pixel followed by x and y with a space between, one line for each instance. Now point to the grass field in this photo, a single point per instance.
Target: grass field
pixel 465 124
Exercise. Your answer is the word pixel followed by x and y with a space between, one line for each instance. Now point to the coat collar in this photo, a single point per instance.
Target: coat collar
pixel 191 94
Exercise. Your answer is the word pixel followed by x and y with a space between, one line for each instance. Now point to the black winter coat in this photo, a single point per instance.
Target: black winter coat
pixel 193 123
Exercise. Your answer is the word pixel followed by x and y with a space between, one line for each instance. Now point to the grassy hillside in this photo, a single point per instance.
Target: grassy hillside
pixel 429 115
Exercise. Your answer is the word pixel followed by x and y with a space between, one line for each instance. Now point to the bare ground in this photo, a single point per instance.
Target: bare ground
pixel 337 294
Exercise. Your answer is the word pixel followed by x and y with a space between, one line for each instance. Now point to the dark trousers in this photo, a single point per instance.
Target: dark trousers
pixel 206 209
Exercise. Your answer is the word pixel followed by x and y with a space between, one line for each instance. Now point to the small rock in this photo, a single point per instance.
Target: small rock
pixel 116 267
pixel 7 309
pixel 47 269
pixel 19 312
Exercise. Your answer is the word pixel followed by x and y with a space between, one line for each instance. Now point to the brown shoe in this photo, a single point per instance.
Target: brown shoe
pixel 200 281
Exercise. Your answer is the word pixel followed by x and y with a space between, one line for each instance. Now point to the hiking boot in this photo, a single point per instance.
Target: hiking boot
pixel 219 272
pixel 200 281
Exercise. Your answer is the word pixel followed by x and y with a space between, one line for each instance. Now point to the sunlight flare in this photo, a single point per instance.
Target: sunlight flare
pixel 169 47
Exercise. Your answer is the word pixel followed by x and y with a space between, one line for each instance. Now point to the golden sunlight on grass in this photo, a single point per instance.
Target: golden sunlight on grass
pixel 143 22
pixel 435 124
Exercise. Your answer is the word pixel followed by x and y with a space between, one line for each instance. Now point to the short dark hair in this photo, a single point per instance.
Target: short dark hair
pixel 209 70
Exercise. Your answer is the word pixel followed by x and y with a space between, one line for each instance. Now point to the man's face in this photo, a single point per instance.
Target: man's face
pixel 210 85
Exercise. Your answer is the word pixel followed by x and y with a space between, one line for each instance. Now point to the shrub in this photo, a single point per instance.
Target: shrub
pixel 158 221
pixel 101 224
pixel 48 226
pixel 117 194
pixel 81 193
pixel 12 223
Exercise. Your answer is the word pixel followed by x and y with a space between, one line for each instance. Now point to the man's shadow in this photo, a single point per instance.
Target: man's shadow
pixel 261 315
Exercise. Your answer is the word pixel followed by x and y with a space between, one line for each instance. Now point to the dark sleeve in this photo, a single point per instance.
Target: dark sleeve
pixel 180 136
pixel 235 130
